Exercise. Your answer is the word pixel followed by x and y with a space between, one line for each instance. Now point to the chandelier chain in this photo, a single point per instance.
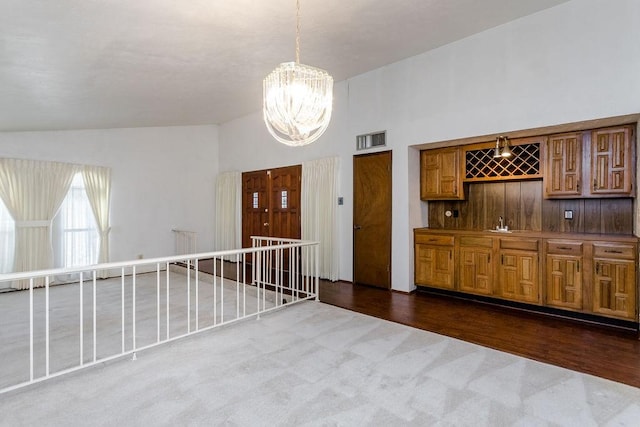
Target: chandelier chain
pixel 297 31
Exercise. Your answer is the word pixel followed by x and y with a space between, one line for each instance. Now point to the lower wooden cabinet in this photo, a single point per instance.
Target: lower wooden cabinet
pixel 614 280
pixel 564 279
pixel 586 276
pixel 434 261
pixel 476 266
pixel 519 278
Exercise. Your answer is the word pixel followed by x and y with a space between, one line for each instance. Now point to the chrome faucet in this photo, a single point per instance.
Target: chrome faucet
pixel 501 225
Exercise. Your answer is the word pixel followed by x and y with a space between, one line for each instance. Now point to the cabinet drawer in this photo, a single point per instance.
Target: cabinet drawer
pixel 485 242
pixel 434 239
pixel 564 247
pixel 614 250
pixel 520 244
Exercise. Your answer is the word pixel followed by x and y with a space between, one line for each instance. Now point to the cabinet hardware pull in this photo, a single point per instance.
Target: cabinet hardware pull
pixel 564 248
pixel 611 251
pixel 489 261
pixel 502 259
pixel 578 267
pixel 578 186
pixel 595 184
pixel 433 240
pixel 597 268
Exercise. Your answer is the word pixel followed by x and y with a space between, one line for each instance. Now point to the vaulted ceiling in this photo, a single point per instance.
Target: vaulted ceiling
pixel 77 64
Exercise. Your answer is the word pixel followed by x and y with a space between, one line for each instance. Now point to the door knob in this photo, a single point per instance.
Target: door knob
pixel 266 224
pixel 357 227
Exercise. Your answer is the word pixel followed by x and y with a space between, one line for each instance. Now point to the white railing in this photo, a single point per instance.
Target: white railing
pixel 55 330
pixel 186 242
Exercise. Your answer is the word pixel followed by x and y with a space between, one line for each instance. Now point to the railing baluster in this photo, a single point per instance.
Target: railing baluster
pixel 81 319
pixel 31 329
pixel 157 302
pixel 95 320
pixel 197 296
pixel 221 290
pixel 133 308
pixel 167 301
pixel 122 302
pixel 215 291
pixel 46 323
pixel 244 285
pixel 188 296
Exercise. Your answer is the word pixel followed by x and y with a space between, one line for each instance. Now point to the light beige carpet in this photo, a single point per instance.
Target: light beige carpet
pixel 315 364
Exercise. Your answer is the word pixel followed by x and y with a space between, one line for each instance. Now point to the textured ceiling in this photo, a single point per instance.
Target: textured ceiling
pixel 78 64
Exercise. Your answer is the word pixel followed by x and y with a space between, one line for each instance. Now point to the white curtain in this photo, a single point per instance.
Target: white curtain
pixel 319 200
pixel 32 192
pixel 97 184
pixel 7 244
pixel 228 220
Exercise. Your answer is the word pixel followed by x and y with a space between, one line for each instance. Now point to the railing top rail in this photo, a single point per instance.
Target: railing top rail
pixel 177 230
pixel 162 260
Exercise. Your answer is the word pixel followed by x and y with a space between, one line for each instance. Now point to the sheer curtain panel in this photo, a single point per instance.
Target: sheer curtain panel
pixel 319 200
pixel 32 192
pixel 7 243
pixel 228 220
pixel 97 184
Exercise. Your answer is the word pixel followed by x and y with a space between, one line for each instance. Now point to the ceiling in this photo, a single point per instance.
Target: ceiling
pixel 80 64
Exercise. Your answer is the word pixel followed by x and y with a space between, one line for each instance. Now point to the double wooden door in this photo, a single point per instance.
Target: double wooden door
pixel 271 203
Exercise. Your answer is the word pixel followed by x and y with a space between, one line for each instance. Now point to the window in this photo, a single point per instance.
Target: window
pixel 284 199
pixel 75 237
pixel 7 233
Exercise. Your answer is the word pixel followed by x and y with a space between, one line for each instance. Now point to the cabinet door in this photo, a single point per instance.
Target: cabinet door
pixel 611 162
pixel 476 270
pixel 440 174
pixel 563 168
pixel 615 288
pixel 519 278
pixel 434 266
pixel 564 281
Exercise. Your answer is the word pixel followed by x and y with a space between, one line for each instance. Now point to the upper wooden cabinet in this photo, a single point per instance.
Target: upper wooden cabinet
pixel 563 166
pixel 594 164
pixel 612 162
pixel 440 174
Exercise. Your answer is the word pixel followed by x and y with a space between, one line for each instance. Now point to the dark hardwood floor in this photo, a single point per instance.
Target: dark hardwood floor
pixel 597 350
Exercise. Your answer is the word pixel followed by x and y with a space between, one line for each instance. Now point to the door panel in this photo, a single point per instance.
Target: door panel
pixel 372 219
pixel 285 202
pixel 255 205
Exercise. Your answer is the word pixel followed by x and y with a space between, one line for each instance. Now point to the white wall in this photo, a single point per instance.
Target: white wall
pixel 574 62
pixel 162 178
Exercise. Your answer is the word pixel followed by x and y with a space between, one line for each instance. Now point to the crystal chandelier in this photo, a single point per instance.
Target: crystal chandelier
pixel 297 99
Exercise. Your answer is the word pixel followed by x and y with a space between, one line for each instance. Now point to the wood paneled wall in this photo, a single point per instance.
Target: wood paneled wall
pixel 521 204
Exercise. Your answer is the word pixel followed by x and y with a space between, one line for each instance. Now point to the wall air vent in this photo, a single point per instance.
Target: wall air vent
pixel 370 140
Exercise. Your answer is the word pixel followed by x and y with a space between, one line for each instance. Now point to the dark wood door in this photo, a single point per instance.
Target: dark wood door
pixel 255 205
pixel 284 202
pixel 271 203
pixel 372 219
